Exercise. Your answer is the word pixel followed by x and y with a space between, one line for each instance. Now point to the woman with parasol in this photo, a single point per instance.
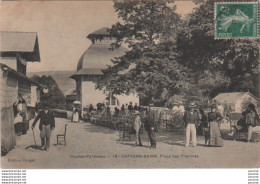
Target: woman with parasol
pixel 76 111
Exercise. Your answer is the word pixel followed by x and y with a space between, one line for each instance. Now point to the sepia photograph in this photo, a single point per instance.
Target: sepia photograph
pixel 129 84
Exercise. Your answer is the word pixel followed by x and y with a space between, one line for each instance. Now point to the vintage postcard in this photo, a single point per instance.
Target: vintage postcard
pixel 129 84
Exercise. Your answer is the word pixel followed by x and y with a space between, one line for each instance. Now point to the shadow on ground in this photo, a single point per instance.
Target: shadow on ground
pixel 33 148
pixel 99 129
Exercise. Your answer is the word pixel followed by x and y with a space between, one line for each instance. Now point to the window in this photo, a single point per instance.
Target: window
pixel 112 101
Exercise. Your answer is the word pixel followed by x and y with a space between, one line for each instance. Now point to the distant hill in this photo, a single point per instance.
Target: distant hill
pixel 61 77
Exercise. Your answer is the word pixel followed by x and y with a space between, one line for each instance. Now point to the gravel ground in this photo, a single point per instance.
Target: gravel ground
pixel 91 146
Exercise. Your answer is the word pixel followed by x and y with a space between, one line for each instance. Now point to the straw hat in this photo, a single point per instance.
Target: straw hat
pixel 136 112
pixel 192 104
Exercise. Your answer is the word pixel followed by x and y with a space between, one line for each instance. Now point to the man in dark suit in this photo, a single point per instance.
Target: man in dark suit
pixel 191 119
pixel 130 107
pixel 149 126
pixel 47 124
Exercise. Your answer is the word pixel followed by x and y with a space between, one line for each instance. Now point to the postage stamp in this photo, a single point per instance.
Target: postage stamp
pixel 236 20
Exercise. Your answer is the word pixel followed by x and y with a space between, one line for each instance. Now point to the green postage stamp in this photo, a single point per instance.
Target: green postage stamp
pixel 236 20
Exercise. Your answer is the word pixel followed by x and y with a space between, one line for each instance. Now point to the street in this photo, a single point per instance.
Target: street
pixel 91 146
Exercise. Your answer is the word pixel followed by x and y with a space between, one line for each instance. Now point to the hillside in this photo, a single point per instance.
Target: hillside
pixel 61 77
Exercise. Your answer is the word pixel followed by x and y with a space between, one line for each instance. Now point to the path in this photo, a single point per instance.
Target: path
pixel 91 146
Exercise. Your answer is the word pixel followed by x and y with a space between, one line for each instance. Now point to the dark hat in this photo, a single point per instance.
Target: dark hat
pixel 46 105
pixel 213 106
pixel 251 106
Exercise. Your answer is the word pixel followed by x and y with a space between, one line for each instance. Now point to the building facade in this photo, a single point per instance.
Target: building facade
pixel 237 101
pixel 95 59
pixel 17 48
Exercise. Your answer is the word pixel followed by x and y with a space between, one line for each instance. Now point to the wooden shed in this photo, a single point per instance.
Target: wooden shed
pixel 16 49
pixel 237 101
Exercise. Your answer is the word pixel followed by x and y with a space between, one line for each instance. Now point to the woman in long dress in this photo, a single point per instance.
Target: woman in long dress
pixel 75 116
pixel 21 114
pixel 214 118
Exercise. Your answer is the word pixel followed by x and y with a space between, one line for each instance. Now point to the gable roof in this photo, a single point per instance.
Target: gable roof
pixel 24 42
pixel 231 98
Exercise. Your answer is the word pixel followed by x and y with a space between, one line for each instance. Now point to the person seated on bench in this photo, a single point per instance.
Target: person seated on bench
pixel 247 122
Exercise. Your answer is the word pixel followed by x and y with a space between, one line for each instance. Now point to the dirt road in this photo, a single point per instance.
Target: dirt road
pixel 91 146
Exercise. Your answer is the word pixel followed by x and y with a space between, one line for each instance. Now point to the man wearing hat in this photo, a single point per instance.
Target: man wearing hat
pixel 47 124
pixel 150 128
pixel 191 118
pixel 137 127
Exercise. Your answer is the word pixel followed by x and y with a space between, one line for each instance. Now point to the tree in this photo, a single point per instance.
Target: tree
pixel 235 59
pixel 150 66
pixel 56 98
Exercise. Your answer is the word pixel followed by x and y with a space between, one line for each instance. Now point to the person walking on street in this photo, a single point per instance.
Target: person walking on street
pixel 47 124
pixel 191 118
pixel 150 128
pixel 137 127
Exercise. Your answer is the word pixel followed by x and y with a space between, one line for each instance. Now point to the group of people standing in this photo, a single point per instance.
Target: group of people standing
pixel 211 123
pixel 193 119
pixel 145 121
pixel 106 110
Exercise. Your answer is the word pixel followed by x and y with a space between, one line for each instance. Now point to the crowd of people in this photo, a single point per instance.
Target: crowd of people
pixel 197 120
pixel 194 121
pixel 104 110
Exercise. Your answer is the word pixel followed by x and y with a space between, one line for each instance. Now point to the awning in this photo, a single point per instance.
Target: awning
pixel 17 74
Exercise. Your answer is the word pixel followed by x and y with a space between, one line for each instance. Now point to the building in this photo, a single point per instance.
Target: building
pixel 237 101
pixel 96 58
pixel 17 48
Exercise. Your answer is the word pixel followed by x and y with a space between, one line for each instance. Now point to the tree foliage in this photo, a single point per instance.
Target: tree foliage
pixel 149 67
pixel 56 98
pixel 169 55
pixel 235 59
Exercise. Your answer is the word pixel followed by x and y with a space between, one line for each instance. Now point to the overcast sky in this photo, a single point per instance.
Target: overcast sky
pixel 62 27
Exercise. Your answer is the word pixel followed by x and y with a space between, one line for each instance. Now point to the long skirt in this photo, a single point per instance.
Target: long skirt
pixel 215 136
pixel 75 117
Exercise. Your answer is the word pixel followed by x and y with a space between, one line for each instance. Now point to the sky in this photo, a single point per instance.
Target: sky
pixel 62 27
